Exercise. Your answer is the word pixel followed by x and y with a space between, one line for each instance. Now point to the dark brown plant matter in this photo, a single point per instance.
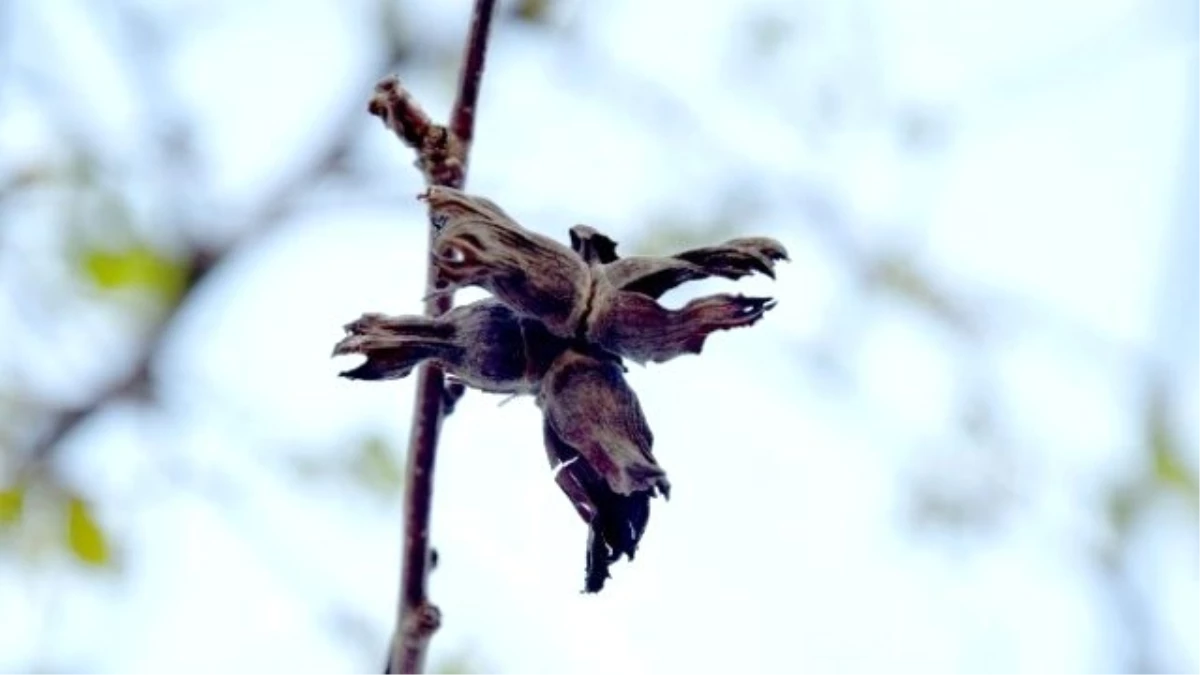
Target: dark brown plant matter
pixel 558 325
pixel 599 443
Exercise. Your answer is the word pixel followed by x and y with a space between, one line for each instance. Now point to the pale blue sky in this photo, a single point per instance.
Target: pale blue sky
pixel 785 545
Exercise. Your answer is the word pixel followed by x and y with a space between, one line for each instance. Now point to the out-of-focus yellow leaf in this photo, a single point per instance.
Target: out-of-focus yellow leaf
pixel 135 267
pixel 376 466
pixel 85 537
pixel 12 504
pixel 1167 467
pixel 460 662
pixel 533 11
pixel 1162 442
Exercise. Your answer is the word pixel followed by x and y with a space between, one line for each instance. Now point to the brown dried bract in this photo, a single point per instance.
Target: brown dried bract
pixel 616 522
pixel 485 344
pixel 480 245
pixel 638 328
pixel 559 323
pixel 589 292
pixel 590 407
pixel 599 444
pixel 654 276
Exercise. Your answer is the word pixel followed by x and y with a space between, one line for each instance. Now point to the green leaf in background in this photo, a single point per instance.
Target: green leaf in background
pixel 137 266
pixel 12 504
pixel 1167 467
pixel 376 467
pixel 85 537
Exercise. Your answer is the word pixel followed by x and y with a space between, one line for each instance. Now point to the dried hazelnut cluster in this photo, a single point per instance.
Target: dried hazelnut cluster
pixel 558 325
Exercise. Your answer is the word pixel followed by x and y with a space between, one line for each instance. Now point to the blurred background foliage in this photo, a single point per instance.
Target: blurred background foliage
pixel 106 243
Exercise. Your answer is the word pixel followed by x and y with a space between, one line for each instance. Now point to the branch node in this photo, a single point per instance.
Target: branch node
pixel 441 155
pixel 424 621
pixel 400 112
pixel 442 158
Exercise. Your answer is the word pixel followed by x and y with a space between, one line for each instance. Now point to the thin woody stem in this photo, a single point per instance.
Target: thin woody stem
pixel 442 157
pixel 462 116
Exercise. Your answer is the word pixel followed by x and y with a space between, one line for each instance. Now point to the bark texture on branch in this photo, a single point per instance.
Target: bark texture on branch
pixel 442 158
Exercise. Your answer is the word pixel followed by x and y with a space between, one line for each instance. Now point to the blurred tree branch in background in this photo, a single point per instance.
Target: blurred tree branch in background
pixel 161 277
pixel 143 270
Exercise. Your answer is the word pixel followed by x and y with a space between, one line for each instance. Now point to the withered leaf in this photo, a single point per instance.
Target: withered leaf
pixel 615 522
pixel 485 344
pixel 587 291
pixel 599 444
pixel 480 245
pixel 655 275
pixel 640 329
pixel 589 406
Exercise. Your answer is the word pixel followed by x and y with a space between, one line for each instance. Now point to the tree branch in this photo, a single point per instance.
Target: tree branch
pixel 442 158
pixel 462 115
pixel 271 212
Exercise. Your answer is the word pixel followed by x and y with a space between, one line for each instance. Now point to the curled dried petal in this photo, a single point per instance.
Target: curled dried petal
pixel 396 345
pixel 588 292
pixel 599 444
pixel 655 275
pixel 615 522
pixel 639 328
pixel 736 258
pixel 588 404
pixel 651 276
pixel 485 344
pixel 480 245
